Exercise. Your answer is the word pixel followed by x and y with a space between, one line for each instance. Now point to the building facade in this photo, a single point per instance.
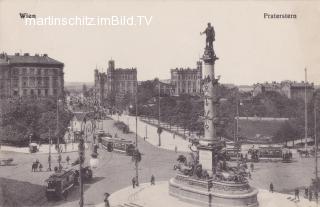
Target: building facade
pixel 30 76
pixel 117 82
pixel 290 89
pixel 186 80
pixel 166 87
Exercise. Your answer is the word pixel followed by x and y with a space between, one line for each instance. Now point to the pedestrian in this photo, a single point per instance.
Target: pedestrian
pixel 251 166
pixel 296 194
pixel 152 180
pixel 65 195
pixel 40 167
pixel 174 135
pixel 176 149
pixel 106 200
pixel 310 195
pixel 133 182
pixel 306 192
pixel 271 188
pixel 68 159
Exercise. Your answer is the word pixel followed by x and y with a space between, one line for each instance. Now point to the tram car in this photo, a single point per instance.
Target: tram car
pixel 270 152
pixel 118 145
pixel 101 134
pixel 60 183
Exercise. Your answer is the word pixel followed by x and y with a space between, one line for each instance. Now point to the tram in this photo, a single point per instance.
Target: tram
pixel 118 145
pixel 60 183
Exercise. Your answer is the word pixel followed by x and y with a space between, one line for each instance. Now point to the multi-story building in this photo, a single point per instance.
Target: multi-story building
pixel 186 80
pixel 291 89
pixel 117 83
pixel 166 87
pixel 30 76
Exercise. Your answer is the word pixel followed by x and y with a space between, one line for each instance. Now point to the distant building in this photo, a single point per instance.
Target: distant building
pixel 291 89
pixel 30 76
pixel 166 87
pixel 117 83
pixel 186 80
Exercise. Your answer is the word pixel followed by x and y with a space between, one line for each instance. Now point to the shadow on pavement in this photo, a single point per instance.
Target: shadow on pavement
pixel 14 193
pixel 18 193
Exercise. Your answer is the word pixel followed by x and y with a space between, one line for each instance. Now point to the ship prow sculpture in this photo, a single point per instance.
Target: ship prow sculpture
pixel 208 180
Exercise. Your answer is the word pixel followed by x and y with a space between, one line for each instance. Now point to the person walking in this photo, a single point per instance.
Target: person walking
pixel 152 180
pixel 106 200
pixel 306 192
pixel 176 149
pixel 40 167
pixel 68 159
pixel 251 166
pixel 310 195
pixel 296 194
pixel 133 182
pixel 271 188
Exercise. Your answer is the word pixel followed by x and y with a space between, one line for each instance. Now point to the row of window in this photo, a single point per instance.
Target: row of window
pixel 186 77
pixel 33 92
pixel 36 82
pixel 124 76
pixel 36 71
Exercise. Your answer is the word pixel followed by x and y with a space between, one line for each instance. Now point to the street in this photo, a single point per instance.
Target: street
pixel 21 187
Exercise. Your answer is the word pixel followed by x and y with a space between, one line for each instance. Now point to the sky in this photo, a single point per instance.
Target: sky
pixel 250 48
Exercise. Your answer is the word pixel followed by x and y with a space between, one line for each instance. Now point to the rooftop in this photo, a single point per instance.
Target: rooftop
pixel 26 58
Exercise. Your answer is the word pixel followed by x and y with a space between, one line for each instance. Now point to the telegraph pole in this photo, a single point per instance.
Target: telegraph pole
pixel 58 141
pixel 81 161
pixel 305 111
pixel 315 139
pixel 50 142
pixel 159 130
pixel 136 160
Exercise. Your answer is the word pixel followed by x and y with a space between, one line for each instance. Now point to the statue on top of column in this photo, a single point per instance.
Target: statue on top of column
pixel 210 36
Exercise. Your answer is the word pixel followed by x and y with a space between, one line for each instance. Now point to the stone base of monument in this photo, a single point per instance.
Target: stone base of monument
pixel 213 193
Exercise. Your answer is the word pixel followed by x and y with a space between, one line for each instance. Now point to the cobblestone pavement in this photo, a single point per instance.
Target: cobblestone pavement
pixel 21 187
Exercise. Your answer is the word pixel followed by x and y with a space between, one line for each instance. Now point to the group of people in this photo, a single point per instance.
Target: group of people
pixel 308 193
pixel 36 166
pixel 136 184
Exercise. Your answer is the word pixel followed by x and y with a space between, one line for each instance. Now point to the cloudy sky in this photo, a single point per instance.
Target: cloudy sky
pixel 251 48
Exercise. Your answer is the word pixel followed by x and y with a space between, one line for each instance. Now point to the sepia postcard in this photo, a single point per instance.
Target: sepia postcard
pixel 136 103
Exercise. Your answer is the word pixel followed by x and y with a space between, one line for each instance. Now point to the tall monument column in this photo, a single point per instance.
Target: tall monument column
pixel 209 144
pixel 210 181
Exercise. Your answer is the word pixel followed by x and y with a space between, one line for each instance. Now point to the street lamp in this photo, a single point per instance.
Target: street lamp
pixel 159 127
pixel 50 142
pixel 81 161
pixel 57 133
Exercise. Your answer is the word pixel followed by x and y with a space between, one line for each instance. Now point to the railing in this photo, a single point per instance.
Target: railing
pixel 212 184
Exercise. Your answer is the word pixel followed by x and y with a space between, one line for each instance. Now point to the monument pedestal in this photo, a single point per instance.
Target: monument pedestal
pixel 213 193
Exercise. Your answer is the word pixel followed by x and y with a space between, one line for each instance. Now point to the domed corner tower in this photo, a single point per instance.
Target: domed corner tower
pixel 210 181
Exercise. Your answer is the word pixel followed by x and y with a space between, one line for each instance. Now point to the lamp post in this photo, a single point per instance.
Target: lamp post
pixel 159 127
pixel 50 142
pixel 81 161
pixel 58 138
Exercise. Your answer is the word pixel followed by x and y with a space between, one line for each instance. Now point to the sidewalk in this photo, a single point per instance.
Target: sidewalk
pixel 44 149
pixel 167 140
pixel 158 196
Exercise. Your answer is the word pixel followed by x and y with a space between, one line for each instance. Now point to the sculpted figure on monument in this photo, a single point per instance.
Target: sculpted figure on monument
pixel 210 36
